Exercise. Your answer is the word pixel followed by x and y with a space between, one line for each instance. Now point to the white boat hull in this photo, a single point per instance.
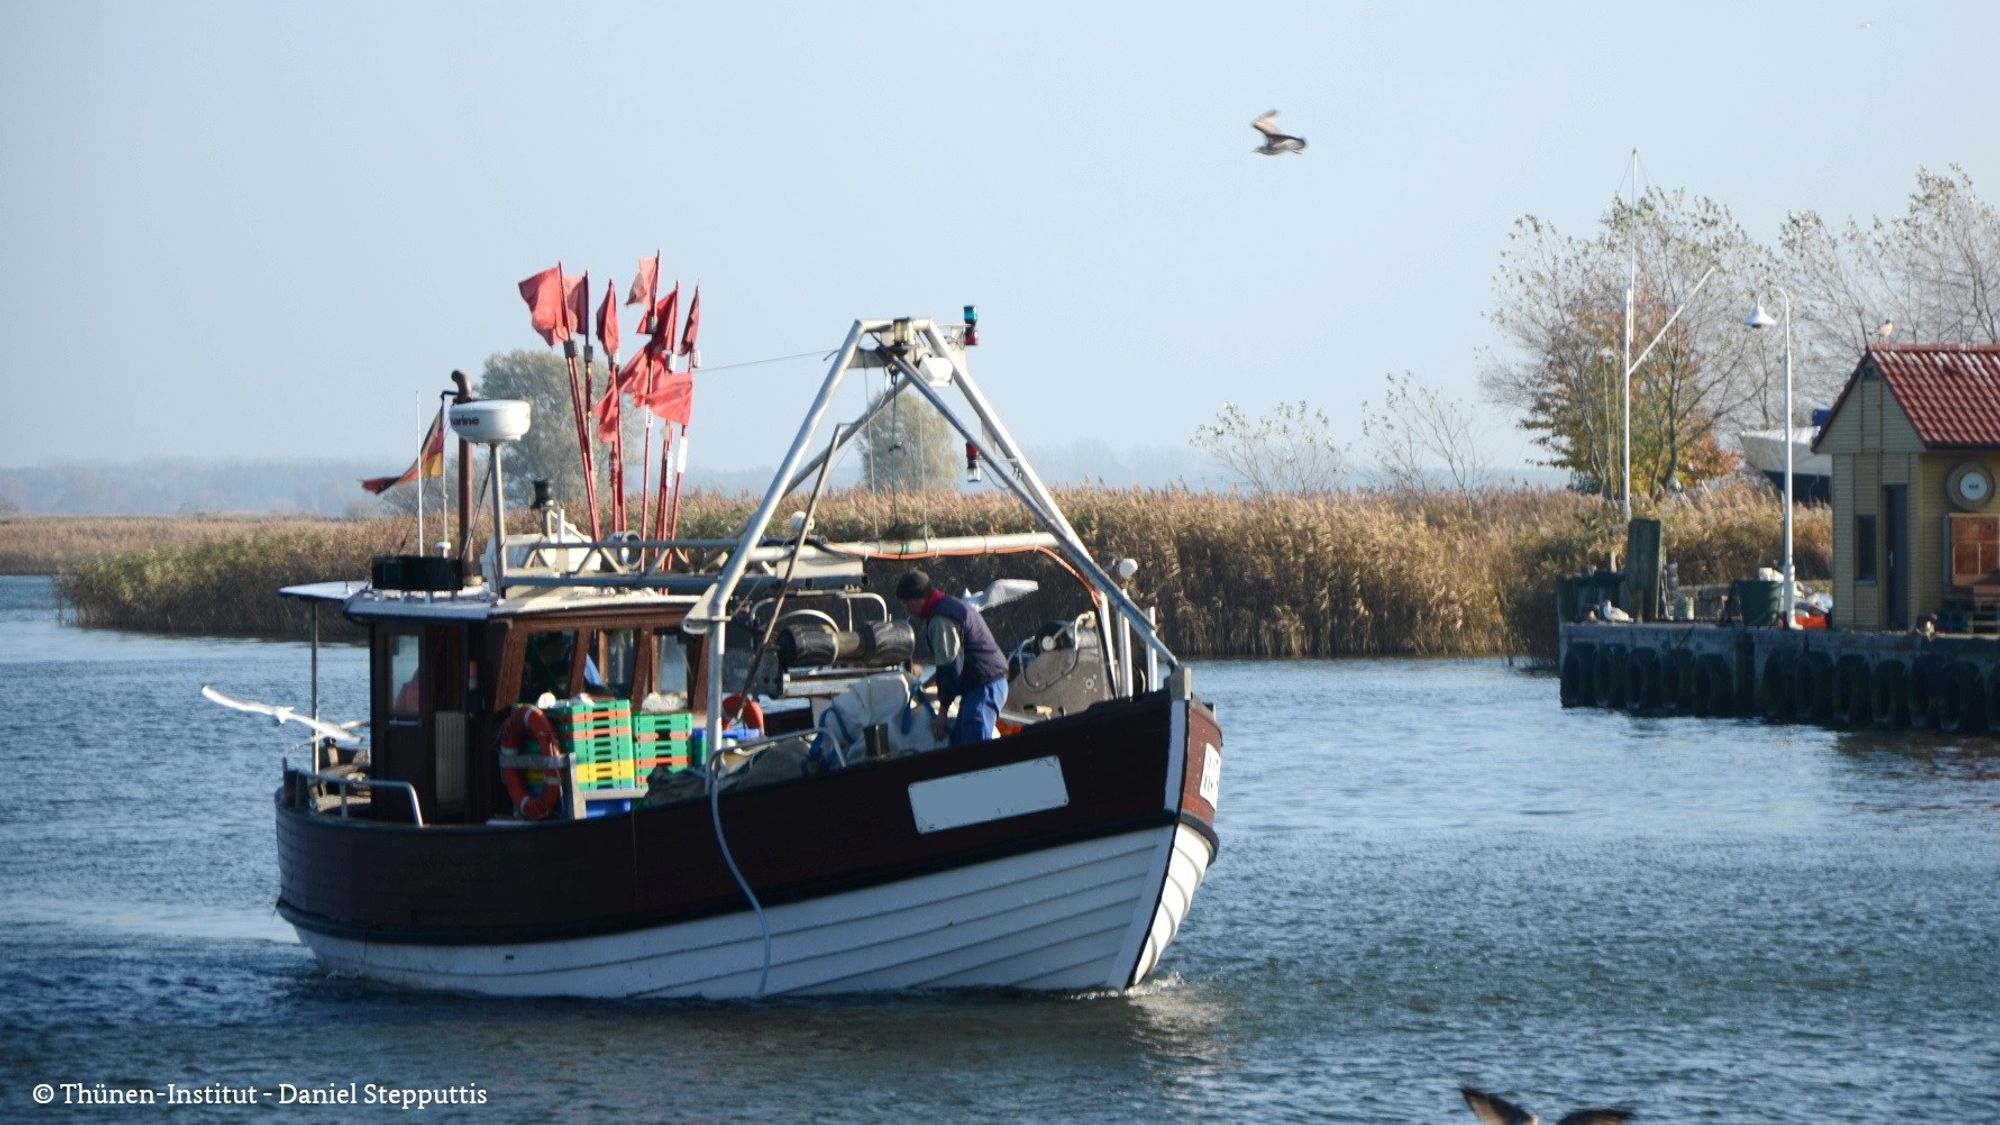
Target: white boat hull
pixel 1091 915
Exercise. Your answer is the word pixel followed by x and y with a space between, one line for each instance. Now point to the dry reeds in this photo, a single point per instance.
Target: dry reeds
pixel 1357 573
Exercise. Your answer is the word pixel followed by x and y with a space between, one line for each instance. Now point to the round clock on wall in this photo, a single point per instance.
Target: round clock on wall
pixel 1970 485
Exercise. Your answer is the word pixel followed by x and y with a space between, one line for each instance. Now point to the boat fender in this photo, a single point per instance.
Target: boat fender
pixel 1576 675
pixel 1608 676
pixel 1926 684
pixel 1851 692
pixel 1642 680
pixel 1715 686
pixel 1675 665
pixel 536 793
pixel 1888 705
pixel 1962 709
pixel 1812 687
pixel 1774 687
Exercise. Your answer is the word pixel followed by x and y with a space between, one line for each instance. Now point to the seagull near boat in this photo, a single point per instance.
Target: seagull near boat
pixel 579 785
pixel 1492 1109
pixel 1275 143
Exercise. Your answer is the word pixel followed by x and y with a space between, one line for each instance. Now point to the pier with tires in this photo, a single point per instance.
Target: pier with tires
pixel 1839 679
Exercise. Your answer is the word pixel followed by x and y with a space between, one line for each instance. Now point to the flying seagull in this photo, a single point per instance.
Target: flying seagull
pixel 342 734
pixel 1491 1109
pixel 1276 143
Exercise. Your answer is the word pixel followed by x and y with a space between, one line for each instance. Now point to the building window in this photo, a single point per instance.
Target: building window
pixel 1864 548
pixel 1975 550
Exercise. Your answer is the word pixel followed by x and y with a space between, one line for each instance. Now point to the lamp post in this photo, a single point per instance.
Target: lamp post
pixel 1758 318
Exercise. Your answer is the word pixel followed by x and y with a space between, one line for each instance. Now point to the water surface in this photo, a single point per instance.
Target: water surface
pixel 1431 874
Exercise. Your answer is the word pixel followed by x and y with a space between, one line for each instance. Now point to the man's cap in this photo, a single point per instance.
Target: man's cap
pixel 915 584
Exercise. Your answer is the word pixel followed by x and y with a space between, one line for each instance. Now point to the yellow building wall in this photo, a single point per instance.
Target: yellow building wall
pixel 1873 444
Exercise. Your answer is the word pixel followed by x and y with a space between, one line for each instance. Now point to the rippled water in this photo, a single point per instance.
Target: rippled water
pixel 1430 875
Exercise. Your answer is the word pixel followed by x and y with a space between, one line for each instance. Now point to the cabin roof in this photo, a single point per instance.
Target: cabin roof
pixel 1950 392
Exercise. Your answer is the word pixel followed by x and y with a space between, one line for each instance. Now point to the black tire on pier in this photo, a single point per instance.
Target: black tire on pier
pixel 1608 674
pixel 1888 694
pixel 1774 687
pixel 1851 692
pixel 1576 670
pixel 1962 705
pixel 1642 681
pixel 1812 688
pixel 1926 687
pixel 1993 699
pixel 1676 672
pixel 1714 686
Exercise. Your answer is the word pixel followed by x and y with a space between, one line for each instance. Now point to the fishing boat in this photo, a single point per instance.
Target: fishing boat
pixel 742 797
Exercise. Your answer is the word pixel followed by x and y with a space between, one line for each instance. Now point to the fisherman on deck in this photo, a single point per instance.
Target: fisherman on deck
pixel 970 666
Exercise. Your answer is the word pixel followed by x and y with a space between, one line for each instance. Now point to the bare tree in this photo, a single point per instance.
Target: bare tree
pixel 1931 275
pixel 1290 450
pixel 1421 435
pixel 1561 307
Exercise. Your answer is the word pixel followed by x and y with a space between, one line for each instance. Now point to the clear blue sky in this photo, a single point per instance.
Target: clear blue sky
pixel 258 229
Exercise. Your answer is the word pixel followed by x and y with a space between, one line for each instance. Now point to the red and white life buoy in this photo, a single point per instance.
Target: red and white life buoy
pixel 742 709
pixel 536 793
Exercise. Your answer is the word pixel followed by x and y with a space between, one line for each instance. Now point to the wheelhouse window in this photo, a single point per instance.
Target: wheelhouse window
pixel 405 661
pixel 1975 550
pixel 1864 548
pixel 617 654
pixel 545 666
pixel 670 666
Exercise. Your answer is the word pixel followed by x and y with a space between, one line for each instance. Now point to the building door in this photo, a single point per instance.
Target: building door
pixel 1896 541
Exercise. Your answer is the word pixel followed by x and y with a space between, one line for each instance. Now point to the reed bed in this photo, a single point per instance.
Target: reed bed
pixel 51 544
pixel 1365 573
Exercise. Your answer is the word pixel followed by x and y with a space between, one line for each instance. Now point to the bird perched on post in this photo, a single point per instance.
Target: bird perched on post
pixel 1491 1109
pixel 1275 143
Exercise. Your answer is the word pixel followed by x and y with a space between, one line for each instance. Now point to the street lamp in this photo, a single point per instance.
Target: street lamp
pixel 1758 318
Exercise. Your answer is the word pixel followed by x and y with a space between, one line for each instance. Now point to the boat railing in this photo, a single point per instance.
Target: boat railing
pixel 345 784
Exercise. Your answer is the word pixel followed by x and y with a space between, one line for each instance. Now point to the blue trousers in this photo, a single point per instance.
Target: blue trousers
pixel 978 711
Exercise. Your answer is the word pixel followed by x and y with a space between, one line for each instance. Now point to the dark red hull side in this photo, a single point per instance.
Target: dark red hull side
pixel 1127 765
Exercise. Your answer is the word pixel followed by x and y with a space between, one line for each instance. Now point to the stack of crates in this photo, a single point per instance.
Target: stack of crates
pixel 664 738
pixel 599 733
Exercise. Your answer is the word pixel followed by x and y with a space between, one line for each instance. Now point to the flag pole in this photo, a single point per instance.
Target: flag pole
pixel 575 397
pixel 423 446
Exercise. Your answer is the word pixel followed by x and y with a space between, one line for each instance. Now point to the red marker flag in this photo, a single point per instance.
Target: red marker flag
pixel 672 397
pixel 644 290
pixel 576 303
pixel 666 315
pixel 694 322
pixel 429 464
pixel 547 297
pixel 607 323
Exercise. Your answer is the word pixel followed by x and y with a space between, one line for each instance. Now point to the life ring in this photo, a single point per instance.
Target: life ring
pixel 743 709
pixel 536 793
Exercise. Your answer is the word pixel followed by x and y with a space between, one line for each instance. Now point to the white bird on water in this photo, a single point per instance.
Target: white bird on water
pixel 341 734
pixel 1275 143
pixel 1493 1109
